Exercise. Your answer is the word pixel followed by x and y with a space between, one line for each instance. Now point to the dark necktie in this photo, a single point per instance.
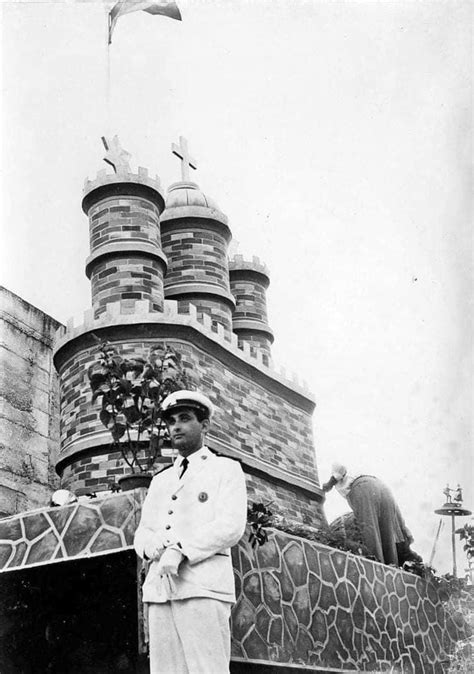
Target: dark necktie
pixel 184 465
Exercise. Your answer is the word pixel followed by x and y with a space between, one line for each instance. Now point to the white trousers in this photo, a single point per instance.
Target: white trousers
pixel 189 636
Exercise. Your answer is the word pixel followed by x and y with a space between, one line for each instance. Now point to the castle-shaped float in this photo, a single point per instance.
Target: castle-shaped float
pixel 160 272
pixel 69 578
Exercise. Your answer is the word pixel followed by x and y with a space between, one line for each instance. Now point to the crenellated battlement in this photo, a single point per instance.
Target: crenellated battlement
pixel 105 177
pixel 119 313
pixel 238 262
pixel 163 274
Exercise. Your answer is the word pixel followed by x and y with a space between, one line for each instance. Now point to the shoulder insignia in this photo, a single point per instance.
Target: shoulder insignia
pixel 170 465
pixel 219 455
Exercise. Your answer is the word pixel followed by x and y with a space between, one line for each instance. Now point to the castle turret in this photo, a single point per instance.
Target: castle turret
pixel 126 261
pixel 249 281
pixel 263 417
pixel 195 236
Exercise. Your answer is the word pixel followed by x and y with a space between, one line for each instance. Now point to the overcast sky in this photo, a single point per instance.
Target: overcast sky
pixel 336 136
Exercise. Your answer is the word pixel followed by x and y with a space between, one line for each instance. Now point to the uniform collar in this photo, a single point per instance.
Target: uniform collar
pixel 194 458
pixel 197 461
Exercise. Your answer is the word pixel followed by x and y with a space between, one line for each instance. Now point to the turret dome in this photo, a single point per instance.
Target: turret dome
pixel 185 199
pixel 188 194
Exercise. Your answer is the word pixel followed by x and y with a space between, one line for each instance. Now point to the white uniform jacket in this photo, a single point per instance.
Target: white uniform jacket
pixel 205 513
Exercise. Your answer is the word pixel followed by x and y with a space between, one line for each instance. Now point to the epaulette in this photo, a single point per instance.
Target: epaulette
pixel 224 456
pixel 170 465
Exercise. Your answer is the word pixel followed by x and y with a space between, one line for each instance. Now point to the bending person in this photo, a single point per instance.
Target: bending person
pixel 382 527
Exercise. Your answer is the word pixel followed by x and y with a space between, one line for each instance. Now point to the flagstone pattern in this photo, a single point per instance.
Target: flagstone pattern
pixel 82 529
pixel 303 603
pixel 298 602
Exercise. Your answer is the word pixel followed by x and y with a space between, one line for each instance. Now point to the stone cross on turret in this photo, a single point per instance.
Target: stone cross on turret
pixel 187 161
pixel 117 157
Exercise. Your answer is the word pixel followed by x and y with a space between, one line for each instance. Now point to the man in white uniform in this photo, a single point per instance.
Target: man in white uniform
pixel 193 513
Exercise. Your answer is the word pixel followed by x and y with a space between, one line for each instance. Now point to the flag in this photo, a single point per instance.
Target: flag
pixel 163 7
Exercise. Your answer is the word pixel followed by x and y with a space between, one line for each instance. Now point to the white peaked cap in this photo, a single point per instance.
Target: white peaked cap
pixel 192 399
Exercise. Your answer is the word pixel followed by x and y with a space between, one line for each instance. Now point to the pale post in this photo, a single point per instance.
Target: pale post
pixel 116 157
pixel 187 161
pixel 453 508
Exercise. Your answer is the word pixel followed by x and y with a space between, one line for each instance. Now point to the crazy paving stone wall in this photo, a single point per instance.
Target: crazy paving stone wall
pixel 298 602
pixel 303 603
pixel 81 529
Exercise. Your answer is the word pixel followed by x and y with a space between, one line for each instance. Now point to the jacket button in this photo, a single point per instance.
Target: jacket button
pixel 170 512
pixel 168 526
pixel 174 497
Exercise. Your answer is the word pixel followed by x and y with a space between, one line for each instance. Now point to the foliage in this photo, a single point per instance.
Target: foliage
pixel 466 533
pixel 344 534
pixel 419 568
pixel 131 392
pixel 449 586
pixel 334 538
pixel 259 517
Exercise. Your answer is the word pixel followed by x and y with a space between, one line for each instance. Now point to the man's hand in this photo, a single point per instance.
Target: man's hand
pixel 169 562
pixel 154 549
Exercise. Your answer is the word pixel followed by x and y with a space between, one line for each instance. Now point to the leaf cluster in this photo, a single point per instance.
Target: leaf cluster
pixel 259 517
pixel 347 541
pixel 131 392
pixel 466 533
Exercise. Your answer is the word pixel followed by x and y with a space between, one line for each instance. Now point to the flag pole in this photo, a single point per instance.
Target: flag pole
pixel 435 541
pixel 107 72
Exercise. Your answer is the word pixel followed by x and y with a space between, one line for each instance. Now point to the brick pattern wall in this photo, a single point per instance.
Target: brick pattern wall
pixel 250 296
pixel 198 255
pixel 257 341
pixel 249 289
pixel 117 219
pixel 128 275
pixel 98 472
pixel 219 312
pixel 195 254
pixel 283 500
pixel 249 418
pixel 127 278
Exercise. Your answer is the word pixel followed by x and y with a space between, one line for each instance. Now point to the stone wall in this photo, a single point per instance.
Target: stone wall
pixel 29 401
pixel 299 604
pixel 305 604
